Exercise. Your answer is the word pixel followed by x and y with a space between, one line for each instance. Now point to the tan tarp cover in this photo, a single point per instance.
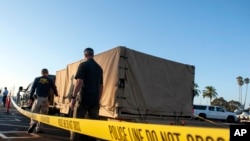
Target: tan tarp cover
pixel 138 84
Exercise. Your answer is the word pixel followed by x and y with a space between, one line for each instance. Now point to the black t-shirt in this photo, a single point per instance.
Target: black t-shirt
pixel 92 75
pixel 42 86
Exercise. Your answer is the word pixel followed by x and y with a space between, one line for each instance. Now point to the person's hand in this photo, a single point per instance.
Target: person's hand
pixel 72 104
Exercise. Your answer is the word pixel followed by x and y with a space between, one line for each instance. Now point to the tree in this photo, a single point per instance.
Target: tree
pixel 220 102
pixel 228 105
pixel 233 105
pixel 196 90
pixel 209 92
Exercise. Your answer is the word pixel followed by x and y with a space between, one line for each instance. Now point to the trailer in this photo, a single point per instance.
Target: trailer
pixel 137 86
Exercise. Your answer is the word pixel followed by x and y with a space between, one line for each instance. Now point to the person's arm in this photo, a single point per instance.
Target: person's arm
pixel 54 88
pixel 79 77
pixel 32 91
pixel 33 88
pixel 100 94
pixel 78 85
pixel 101 85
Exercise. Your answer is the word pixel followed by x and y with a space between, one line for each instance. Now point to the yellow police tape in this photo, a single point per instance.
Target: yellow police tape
pixel 126 131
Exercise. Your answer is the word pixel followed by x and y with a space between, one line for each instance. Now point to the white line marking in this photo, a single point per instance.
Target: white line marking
pixel 31 135
pixel 14 125
pixel 17 119
pixel 9 120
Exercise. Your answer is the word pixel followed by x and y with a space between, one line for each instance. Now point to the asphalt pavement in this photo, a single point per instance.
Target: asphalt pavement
pixel 14 126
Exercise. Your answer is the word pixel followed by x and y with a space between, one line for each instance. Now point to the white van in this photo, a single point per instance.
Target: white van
pixel 214 112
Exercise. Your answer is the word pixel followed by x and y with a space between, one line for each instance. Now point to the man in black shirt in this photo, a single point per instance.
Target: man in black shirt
pixel 42 86
pixel 89 81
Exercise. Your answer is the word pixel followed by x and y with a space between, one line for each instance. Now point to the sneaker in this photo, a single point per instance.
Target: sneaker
pixel 30 130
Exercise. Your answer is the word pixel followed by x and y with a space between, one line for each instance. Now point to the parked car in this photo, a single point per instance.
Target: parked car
pixel 214 112
pixel 24 97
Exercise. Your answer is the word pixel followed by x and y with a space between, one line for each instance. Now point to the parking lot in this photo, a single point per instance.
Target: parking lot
pixel 13 127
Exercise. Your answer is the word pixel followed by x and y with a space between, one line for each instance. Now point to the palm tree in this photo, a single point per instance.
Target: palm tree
pixel 240 83
pixel 246 80
pixel 210 92
pixel 196 90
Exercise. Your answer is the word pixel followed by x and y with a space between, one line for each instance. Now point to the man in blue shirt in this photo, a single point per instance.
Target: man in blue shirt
pixel 5 94
pixel 42 86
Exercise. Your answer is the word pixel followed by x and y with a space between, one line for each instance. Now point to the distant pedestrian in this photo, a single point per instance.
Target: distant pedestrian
pixel 89 82
pixel 18 95
pixel 42 86
pixel 5 94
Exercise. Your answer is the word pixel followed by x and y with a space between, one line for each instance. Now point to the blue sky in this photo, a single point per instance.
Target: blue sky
pixel 212 35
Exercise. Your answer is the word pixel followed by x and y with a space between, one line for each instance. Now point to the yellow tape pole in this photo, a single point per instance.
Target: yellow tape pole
pixel 127 131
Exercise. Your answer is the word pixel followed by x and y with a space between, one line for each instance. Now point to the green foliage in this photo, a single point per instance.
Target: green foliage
pixel 228 105
pixel 210 92
pixel 220 102
pixel 196 90
pixel 233 105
